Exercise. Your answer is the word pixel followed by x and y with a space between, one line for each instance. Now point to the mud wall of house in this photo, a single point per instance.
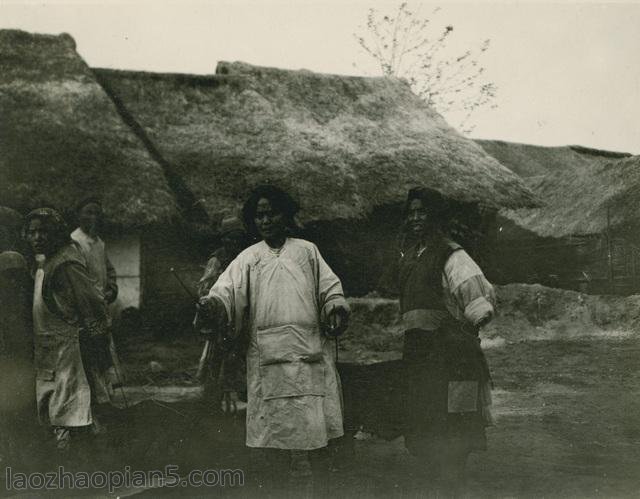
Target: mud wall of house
pixel 536 260
pixel 591 264
pixel 168 308
pixel 359 251
pixel 124 253
pixel 625 262
pixel 363 253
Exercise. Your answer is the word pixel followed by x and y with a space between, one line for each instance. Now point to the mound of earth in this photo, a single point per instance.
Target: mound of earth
pixel 525 312
pixel 532 311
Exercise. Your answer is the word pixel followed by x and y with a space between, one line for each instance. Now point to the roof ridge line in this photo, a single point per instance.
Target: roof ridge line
pixel 191 207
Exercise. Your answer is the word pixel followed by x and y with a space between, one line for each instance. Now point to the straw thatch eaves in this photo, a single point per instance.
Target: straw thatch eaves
pixel 62 138
pixel 578 187
pixel 341 145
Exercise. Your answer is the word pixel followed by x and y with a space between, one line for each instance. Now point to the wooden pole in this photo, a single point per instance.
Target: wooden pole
pixel 634 267
pixel 609 251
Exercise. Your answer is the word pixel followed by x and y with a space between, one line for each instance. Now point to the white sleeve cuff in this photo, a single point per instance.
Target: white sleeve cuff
pixel 478 309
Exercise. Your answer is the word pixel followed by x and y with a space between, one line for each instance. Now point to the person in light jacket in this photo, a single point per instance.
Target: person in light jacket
pixel 71 350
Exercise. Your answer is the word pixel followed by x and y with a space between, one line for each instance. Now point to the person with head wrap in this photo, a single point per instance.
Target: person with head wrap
pixel 87 235
pixel 219 379
pixel 90 219
pixel 283 303
pixel 16 342
pixel 233 239
pixel 69 322
pixel 444 301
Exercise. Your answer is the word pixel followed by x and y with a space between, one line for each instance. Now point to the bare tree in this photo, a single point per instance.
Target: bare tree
pixel 407 45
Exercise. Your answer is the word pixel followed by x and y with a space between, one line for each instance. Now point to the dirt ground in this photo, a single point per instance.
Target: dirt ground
pixel 566 401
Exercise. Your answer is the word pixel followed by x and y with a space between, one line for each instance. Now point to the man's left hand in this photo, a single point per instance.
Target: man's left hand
pixel 110 296
pixel 337 322
pixel 484 321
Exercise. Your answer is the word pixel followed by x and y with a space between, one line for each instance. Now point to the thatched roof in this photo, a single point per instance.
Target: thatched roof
pixel 62 138
pixel 577 186
pixel 341 145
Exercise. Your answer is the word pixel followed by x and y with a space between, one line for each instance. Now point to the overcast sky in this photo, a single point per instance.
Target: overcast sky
pixel 567 73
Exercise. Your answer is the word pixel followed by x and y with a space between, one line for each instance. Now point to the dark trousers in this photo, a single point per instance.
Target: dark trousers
pixel 432 359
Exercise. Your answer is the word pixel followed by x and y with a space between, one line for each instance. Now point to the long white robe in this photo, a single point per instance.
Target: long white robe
pixel 99 266
pixel 280 299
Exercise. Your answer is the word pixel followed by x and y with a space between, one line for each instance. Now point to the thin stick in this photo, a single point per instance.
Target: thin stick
pixel 124 397
pixel 204 357
pixel 184 286
pixel 168 407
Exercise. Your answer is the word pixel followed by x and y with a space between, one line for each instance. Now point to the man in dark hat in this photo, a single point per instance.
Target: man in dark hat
pixel 16 341
pixel 90 219
pixel 69 323
pixel 233 238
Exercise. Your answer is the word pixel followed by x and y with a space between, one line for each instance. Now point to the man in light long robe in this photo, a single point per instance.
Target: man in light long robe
pixel 87 235
pixel 281 297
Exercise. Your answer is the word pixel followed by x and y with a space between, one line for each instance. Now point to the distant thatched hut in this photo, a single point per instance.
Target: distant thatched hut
pixel 587 234
pixel 347 147
pixel 63 139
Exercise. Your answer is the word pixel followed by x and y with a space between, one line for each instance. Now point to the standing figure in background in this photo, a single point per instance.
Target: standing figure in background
pixel 234 239
pixel 87 235
pixel 444 300
pixel 16 343
pixel 70 323
pixel 283 302
pixel 219 379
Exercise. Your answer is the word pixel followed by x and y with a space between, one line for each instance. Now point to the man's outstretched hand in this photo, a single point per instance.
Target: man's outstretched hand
pixel 211 316
pixel 337 322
